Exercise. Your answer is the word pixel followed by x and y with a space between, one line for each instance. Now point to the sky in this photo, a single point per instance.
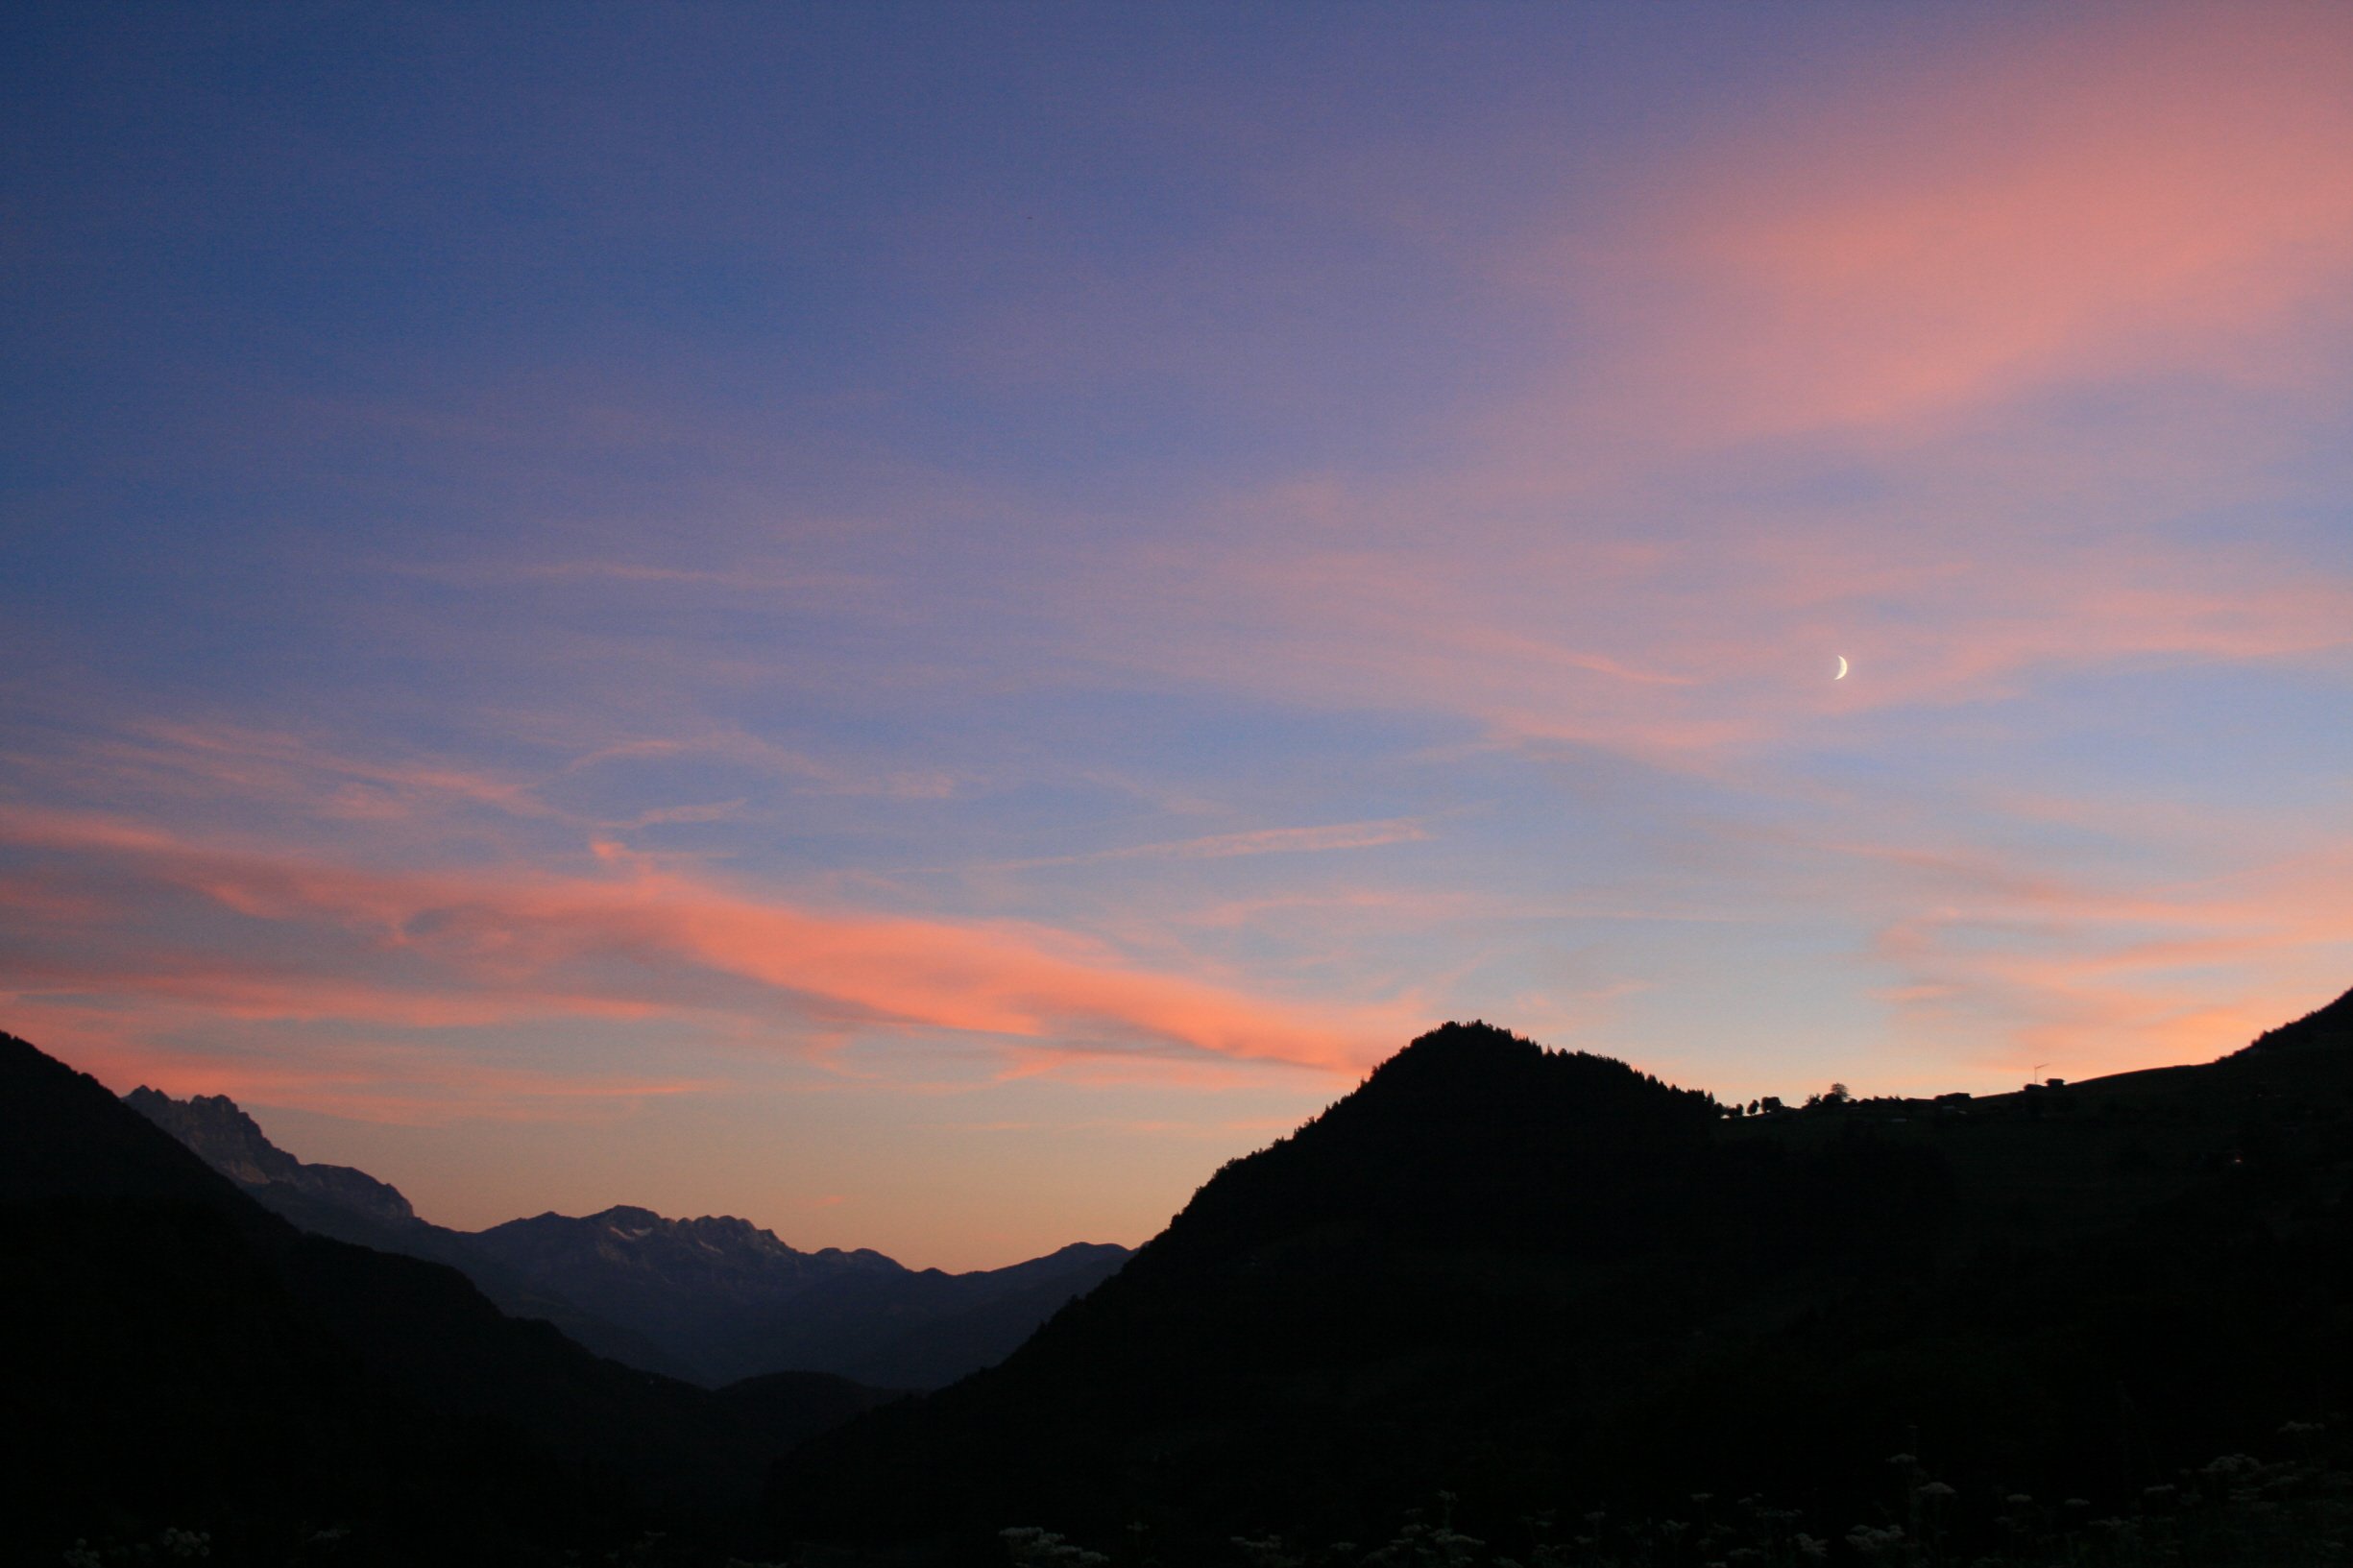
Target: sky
pixel 921 622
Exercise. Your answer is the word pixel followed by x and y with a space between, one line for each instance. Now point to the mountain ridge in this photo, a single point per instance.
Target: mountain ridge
pixel 712 1299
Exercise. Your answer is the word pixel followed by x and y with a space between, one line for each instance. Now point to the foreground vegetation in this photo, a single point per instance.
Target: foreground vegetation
pixel 2294 1511
pixel 2234 1512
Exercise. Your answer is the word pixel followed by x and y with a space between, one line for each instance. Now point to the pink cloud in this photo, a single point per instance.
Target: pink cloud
pixel 2077 203
pixel 446 949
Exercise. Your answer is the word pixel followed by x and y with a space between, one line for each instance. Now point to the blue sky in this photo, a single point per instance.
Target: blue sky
pixel 919 622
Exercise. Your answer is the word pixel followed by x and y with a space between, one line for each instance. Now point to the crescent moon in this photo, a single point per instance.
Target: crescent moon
pixel 1842 669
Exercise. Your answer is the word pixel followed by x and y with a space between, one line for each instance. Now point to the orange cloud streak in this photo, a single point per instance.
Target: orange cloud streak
pixel 489 945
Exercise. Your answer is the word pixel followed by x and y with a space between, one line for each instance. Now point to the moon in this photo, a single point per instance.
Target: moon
pixel 1842 669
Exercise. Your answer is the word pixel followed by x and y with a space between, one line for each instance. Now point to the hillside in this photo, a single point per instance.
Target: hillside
pixel 1542 1281
pixel 179 1356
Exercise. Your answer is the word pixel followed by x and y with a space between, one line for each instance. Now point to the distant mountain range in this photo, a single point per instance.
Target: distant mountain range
pixel 713 1300
pixel 1568 1310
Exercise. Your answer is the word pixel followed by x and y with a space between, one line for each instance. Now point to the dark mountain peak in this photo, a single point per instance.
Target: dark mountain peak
pixel 1495 1081
pixel 862 1257
pixel 1469 1133
pixel 233 1143
pixel 724 1235
pixel 1095 1260
pixel 728 1224
pixel 1475 1041
pixel 1082 1251
pixel 733 1232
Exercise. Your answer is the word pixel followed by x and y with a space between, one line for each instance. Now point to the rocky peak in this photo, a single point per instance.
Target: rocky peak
pixel 233 1143
pixel 213 1125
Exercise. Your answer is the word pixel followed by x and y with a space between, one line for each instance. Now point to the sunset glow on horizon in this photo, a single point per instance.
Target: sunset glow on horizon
pixel 920 623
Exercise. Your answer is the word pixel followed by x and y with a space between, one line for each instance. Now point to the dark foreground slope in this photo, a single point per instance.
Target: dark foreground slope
pixel 1542 1281
pixel 179 1356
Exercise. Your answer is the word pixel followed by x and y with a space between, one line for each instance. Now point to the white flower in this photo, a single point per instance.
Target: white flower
pixel 1869 1541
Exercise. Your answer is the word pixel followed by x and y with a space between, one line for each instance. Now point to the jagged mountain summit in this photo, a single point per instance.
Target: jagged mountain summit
pixel 712 1299
pixel 231 1142
pixel 632 1253
pixel 1544 1282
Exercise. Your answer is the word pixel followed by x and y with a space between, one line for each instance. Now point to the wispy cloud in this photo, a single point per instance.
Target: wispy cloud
pixel 749 579
pixel 2012 959
pixel 2076 203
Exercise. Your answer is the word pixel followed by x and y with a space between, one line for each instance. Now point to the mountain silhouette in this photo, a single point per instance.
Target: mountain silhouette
pixel 177 1353
pixel 713 1300
pixel 1543 1281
